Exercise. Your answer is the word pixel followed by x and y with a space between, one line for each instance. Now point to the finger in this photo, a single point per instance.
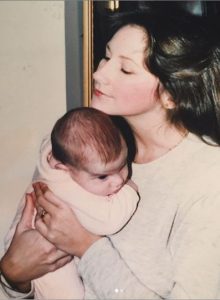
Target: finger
pixel 58 254
pixel 37 189
pixel 41 214
pixel 40 187
pixel 53 199
pixel 43 186
pixel 45 203
pixel 40 210
pixel 41 227
pixel 61 262
pixel 46 218
pixel 37 217
pixel 27 214
pixel 33 197
pixel 42 192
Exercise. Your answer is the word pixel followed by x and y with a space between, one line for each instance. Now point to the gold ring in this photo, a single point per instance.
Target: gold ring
pixel 43 213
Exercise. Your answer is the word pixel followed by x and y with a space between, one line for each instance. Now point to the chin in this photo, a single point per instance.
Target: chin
pixel 103 106
pixel 95 103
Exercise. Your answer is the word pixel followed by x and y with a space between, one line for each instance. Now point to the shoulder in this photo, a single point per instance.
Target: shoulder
pixel 206 164
pixel 45 144
pixel 199 179
pixel 187 165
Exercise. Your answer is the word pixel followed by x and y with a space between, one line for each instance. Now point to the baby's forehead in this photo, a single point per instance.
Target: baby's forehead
pixel 95 165
pixel 92 153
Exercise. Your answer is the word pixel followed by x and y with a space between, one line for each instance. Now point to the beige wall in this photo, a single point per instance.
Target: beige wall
pixel 32 91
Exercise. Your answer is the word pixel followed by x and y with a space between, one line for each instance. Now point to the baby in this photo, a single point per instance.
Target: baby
pixel 85 164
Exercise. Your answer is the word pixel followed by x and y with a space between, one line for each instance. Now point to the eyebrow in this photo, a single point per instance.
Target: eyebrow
pixel 122 56
pixel 111 171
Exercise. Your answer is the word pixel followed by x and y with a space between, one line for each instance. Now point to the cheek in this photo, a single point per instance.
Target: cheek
pixel 149 89
pixel 144 92
pixel 89 187
pixel 125 174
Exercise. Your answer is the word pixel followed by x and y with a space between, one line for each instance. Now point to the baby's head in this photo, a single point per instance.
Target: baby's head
pixel 92 149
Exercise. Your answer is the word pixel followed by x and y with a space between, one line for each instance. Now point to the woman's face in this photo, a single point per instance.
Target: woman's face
pixel 122 83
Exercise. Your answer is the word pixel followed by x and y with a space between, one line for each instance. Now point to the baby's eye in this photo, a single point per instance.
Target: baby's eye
pixel 102 177
pixel 126 72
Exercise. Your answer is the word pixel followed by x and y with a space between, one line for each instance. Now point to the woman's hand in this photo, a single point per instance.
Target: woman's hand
pixel 59 225
pixel 30 255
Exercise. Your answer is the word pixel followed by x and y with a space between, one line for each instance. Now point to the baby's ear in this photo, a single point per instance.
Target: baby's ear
pixel 60 166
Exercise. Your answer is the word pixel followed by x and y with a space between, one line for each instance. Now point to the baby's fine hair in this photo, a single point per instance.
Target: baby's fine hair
pixel 85 128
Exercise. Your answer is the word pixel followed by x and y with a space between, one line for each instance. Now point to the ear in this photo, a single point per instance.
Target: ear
pixel 60 166
pixel 166 99
pixel 55 164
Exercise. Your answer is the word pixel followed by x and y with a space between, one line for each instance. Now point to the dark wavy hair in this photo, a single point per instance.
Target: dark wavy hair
pixel 184 54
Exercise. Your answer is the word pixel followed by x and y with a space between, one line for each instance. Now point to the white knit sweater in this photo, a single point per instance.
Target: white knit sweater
pixel 171 247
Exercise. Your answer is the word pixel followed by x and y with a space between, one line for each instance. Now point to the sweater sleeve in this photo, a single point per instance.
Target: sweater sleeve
pixel 10 293
pixel 108 276
pixel 98 214
pixel 107 215
pixel 196 251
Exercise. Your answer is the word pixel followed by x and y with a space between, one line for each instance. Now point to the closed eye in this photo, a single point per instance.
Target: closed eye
pixel 102 177
pixel 106 58
pixel 126 72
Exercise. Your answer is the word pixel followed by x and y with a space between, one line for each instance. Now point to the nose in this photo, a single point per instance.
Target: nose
pixel 102 73
pixel 117 181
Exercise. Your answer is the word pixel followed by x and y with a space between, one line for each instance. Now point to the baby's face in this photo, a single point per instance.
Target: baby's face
pixel 103 179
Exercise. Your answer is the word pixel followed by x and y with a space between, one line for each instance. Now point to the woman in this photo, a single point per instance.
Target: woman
pixel 164 82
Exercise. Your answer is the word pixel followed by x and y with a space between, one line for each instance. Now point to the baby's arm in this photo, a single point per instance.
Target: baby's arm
pixel 98 214
pixel 122 206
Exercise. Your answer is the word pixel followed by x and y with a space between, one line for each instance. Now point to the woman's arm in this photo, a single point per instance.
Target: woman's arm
pixel 196 251
pixel 108 275
pixel 29 255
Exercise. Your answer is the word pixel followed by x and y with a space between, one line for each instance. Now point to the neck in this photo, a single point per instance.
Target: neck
pixel 155 139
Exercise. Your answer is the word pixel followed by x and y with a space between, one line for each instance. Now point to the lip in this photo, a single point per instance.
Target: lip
pixel 98 93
